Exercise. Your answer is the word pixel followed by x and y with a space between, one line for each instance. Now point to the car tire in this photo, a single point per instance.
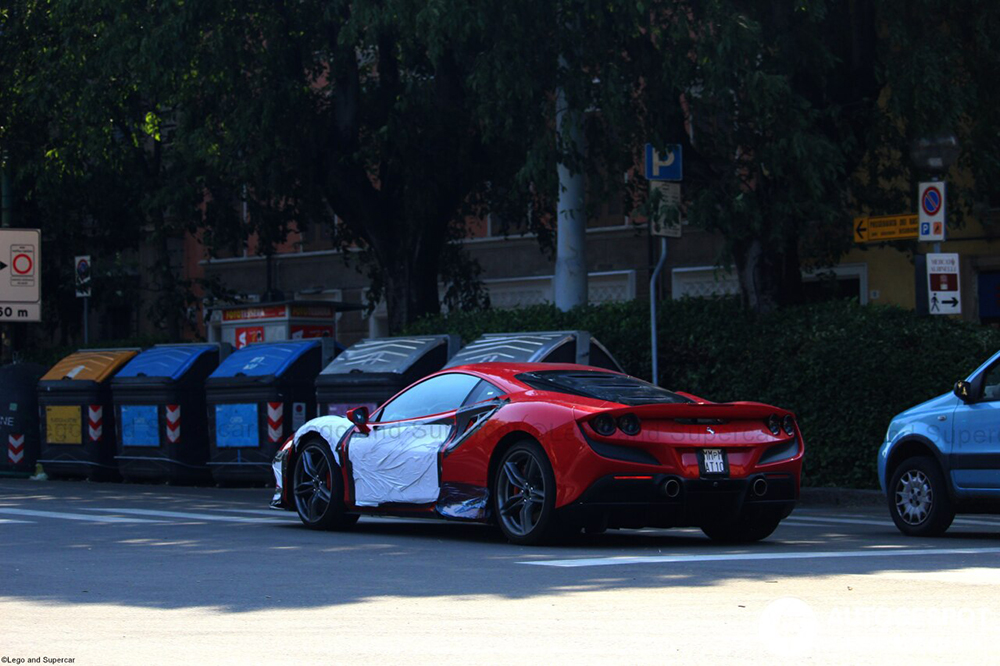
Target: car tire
pixel 918 498
pixel 747 527
pixel 524 495
pixel 318 489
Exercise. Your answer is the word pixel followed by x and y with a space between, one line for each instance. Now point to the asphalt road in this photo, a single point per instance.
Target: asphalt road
pixel 126 574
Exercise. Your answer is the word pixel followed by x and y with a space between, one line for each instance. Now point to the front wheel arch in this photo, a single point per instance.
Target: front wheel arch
pixel 507 441
pixel 915 447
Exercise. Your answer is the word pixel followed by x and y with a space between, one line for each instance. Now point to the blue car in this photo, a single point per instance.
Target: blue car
pixel 942 457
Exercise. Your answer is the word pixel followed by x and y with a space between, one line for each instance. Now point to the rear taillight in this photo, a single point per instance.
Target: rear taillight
pixel 629 424
pixel 774 424
pixel 603 425
pixel 788 425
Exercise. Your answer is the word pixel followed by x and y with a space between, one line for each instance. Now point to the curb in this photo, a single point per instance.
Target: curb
pixel 840 497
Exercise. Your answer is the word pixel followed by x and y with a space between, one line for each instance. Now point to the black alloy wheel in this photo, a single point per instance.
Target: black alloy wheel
pixel 524 495
pixel 318 489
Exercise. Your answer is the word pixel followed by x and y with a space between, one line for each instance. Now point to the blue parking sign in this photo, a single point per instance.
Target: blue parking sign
pixel 666 164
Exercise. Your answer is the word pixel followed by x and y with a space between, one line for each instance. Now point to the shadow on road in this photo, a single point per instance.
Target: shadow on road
pixel 279 564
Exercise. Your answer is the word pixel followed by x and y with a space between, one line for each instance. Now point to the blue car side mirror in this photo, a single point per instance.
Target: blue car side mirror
pixel 963 390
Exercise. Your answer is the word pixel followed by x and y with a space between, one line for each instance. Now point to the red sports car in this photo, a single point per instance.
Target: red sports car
pixel 542 449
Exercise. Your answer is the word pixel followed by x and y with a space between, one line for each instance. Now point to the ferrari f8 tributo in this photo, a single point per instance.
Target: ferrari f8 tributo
pixel 544 449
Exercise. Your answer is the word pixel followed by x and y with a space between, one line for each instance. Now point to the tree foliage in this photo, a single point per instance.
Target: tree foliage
pixel 131 123
pixel 104 163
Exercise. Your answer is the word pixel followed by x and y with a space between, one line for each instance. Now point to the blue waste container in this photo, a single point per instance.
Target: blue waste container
pixel 256 399
pixel 159 401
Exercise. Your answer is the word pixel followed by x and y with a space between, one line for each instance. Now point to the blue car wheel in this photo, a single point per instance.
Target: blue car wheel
pixel 918 498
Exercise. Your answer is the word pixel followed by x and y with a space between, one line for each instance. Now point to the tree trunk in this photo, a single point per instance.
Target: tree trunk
pixel 408 260
pixel 770 277
pixel 790 287
pixel 167 301
pixel 757 289
pixel 411 292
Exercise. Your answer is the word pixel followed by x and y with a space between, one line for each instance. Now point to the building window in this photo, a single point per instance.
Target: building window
pixel 835 283
pixel 703 282
pixel 602 287
pixel 845 281
pixel 988 283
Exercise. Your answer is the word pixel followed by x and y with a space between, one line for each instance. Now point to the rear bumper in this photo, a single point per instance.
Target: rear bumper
pixel 625 502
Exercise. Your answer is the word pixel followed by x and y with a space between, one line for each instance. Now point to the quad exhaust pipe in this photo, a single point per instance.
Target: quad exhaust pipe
pixel 760 487
pixel 671 488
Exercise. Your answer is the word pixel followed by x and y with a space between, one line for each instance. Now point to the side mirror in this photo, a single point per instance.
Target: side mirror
pixel 359 417
pixel 963 390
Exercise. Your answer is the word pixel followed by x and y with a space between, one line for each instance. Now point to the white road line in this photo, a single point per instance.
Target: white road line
pixel 971 521
pixel 11 520
pixel 980 519
pixel 801 523
pixel 189 516
pixel 880 523
pixel 260 512
pixel 842 521
pixel 74 516
pixel 738 557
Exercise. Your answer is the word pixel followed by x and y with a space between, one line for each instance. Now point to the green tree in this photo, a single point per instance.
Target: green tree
pixel 776 97
pixel 939 61
pixel 404 117
pixel 104 165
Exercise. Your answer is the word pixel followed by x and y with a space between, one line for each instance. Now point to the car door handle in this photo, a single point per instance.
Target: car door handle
pixel 942 418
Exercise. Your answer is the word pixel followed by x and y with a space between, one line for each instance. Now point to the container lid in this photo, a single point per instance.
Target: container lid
pixel 384 355
pixel 18 379
pixel 264 358
pixel 515 347
pixel 167 361
pixel 95 365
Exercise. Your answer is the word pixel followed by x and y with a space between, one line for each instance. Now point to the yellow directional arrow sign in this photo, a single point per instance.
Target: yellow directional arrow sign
pixel 880 228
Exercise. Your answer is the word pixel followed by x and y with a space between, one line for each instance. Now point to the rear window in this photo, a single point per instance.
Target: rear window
pixel 601 386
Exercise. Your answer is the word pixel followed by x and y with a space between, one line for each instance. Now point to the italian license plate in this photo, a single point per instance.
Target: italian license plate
pixel 713 461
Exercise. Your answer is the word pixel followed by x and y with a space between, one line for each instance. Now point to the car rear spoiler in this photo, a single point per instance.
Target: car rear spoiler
pixel 727 411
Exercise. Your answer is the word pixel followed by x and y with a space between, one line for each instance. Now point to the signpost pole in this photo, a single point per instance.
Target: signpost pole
pixel 652 305
pixel 6 212
pixel 664 171
pixel 86 327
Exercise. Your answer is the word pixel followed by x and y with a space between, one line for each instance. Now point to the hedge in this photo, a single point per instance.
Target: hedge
pixel 843 368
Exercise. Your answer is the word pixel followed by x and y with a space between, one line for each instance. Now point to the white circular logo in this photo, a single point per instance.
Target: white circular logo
pixel 788 627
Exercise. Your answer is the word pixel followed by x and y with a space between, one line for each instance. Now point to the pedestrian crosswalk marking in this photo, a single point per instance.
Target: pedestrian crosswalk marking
pixel 747 557
pixel 73 516
pixel 188 515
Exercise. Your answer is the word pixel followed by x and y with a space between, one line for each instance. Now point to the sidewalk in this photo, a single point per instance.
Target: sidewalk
pixel 840 497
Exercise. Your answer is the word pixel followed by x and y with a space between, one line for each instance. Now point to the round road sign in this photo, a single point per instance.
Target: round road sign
pixel 931 201
pixel 22 264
